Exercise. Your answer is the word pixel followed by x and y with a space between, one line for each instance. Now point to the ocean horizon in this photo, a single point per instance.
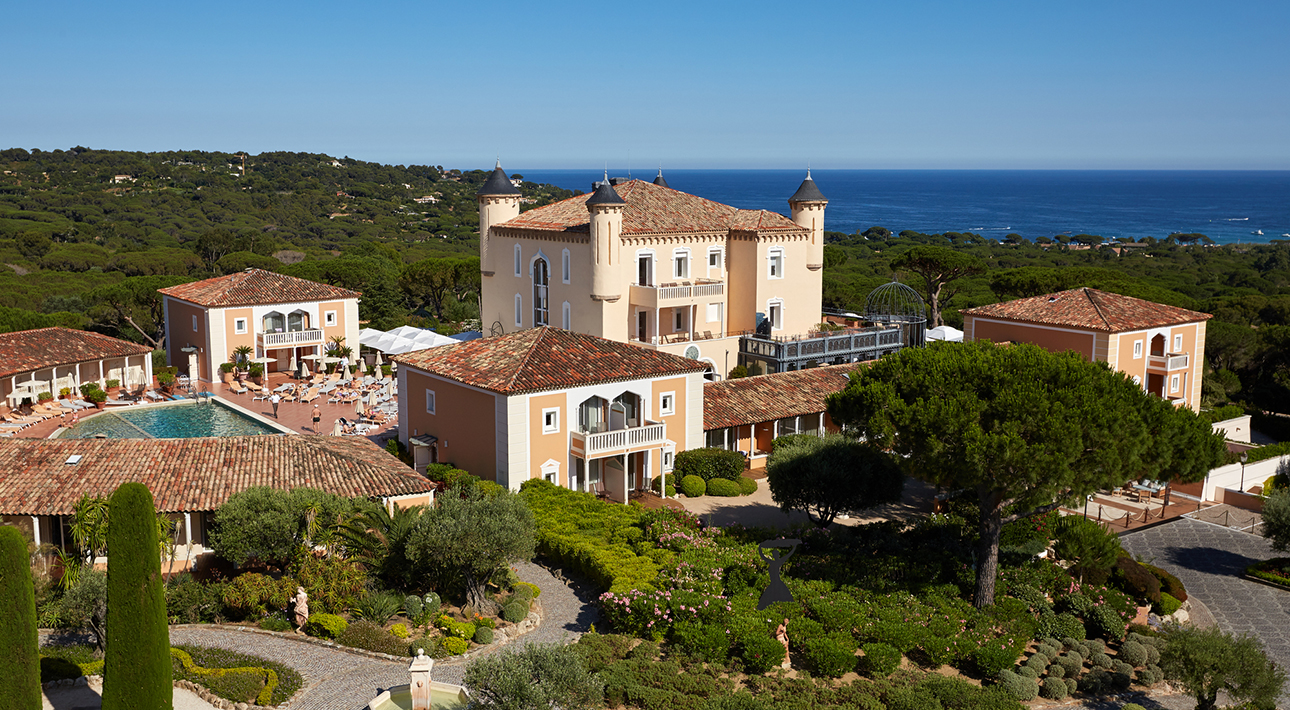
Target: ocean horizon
pixel 1229 206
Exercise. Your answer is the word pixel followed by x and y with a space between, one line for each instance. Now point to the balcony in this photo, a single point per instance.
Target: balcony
pixel 669 295
pixel 620 441
pixel 1169 362
pixel 845 345
pixel 291 338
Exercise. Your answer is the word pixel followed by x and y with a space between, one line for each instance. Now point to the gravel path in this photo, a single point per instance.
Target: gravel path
pixel 1210 560
pixel 338 680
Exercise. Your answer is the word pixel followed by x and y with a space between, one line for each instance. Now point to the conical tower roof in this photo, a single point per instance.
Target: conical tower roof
pixel 660 181
pixel 605 194
pixel 498 183
pixel 808 192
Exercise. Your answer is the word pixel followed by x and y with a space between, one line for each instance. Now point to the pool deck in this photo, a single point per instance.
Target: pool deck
pixel 292 416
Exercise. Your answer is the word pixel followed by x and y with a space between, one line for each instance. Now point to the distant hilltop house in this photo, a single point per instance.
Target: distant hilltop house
pixel 336 164
pixel 638 262
pixel 278 316
pixel 1161 347
pixel 122 178
pixel 424 199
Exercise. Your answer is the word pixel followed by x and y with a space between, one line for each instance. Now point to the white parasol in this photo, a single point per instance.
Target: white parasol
pixel 358 407
pixel 295 364
pixel 335 428
pixel 344 369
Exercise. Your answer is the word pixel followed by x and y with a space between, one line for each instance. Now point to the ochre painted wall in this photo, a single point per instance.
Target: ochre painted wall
pixel 463 422
pixel 543 447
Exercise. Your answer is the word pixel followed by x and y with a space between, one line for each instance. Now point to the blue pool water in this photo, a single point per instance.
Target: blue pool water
pixel 177 421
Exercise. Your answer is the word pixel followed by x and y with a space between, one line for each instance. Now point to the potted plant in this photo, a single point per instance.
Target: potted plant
pixel 113 387
pixel 257 372
pixel 44 397
pixel 65 393
pixel 165 379
pixel 97 397
pixel 228 372
pixel 241 354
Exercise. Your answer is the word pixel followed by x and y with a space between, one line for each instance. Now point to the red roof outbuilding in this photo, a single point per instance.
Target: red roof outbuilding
pixel 255 287
pixel 29 350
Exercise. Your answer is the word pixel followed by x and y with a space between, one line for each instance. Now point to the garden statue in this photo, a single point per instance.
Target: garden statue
pixel 301 601
pixel 776 591
pixel 781 635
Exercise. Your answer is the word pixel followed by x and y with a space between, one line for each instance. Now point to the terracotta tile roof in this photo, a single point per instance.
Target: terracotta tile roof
pixel 28 350
pixel 1090 309
pixel 544 358
pixel 193 474
pixel 654 209
pixel 255 287
pixel 751 400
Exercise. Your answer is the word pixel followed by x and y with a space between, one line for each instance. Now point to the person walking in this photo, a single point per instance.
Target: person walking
pixel 274 401
pixel 317 417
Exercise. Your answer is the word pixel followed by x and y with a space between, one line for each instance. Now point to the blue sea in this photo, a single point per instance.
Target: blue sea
pixel 1228 206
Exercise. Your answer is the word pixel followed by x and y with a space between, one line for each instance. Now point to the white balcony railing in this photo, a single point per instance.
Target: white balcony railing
pixel 621 440
pixel 291 338
pixel 1170 362
pixel 678 294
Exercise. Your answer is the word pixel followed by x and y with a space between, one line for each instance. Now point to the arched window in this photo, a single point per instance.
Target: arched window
pixel 565 269
pixel 297 320
pixel 274 322
pixel 566 316
pixel 541 277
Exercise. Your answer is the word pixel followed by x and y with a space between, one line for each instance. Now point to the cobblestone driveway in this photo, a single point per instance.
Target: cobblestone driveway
pixel 1210 560
pixel 337 680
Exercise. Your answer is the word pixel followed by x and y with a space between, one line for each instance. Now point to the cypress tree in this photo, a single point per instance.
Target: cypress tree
pixel 19 649
pixel 136 671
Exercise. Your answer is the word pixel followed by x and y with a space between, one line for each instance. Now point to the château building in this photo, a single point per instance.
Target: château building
pixel 641 263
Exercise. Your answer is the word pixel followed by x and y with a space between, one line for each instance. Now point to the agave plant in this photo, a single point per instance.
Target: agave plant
pixel 378 607
pixel 242 353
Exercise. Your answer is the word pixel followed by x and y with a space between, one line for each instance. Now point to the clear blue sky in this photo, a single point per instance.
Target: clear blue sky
pixel 895 84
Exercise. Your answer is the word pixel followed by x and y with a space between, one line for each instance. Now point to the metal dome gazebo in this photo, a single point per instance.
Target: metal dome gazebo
pixel 894 303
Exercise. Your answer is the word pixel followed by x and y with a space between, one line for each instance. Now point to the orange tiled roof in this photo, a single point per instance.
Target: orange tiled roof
pixel 1090 309
pixel 255 287
pixel 751 400
pixel 28 350
pixel 193 474
pixel 544 358
pixel 653 209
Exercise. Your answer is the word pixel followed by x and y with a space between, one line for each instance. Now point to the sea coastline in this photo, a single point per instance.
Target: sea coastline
pixel 1230 207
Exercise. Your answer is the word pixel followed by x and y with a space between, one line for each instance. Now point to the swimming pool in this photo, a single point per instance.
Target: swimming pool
pixel 170 421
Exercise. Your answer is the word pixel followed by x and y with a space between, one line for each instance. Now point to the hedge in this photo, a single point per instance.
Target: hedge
pixel 1168 583
pixel 136 670
pixel 710 463
pixel 19 646
pixel 325 626
pixel 268 674
pixel 580 531
pixel 1267 571
pixel 1267 452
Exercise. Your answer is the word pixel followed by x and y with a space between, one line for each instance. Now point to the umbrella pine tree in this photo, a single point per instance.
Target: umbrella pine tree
pixel 137 670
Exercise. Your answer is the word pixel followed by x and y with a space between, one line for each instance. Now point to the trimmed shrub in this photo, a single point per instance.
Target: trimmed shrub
pixel 1092 647
pixel 693 487
pixel 19 644
pixel 656 485
pixel 1054 689
pixel 1168 604
pixel 1101 660
pixel 325 626
pixel 1169 584
pixel 452 627
pixel 1133 653
pixel 709 464
pixel 240 684
pixel 1104 622
pixel 881 660
pixel 706 642
pixel 760 653
pixel 1056 670
pixel 1153 656
pixel 989 660
pixel 453 646
pixel 532 590
pixel 723 487
pixel 1135 580
pixel 828 657
pixel 1028 672
pixel 1132 706
pixel 911 698
pixel 747 486
pixel 1121 667
pixel 400 631
pixel 136 665
pixel 1038 661
pixel 1018 687
pixel 370 637
pixel 1069 642
pixel 430 604
pixel 1061 625
pixel 1071 664
pixel 483 635
pixel 412 604
pixel 514 611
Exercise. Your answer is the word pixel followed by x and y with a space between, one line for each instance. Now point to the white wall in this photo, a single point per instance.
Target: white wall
pixel 1229 476
pixel 1234 429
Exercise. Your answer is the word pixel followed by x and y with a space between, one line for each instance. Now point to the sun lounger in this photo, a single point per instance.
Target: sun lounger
pixel 261 396
pixel 311 396
pixel 236 388
pixel 152 395
pixel 118 402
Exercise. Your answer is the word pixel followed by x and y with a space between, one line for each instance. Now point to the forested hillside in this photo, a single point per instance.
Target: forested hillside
pixel 86 235
pixel 1246 287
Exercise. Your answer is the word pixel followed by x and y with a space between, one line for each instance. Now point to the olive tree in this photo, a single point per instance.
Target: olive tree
pixel 1025 429
pixel 1206 661
pixel 831 475
pixel 474 534
pixel 536 677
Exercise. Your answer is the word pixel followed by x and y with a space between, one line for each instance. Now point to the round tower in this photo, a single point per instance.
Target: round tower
pixel 606 211
pixel 499 201
pixel 807 206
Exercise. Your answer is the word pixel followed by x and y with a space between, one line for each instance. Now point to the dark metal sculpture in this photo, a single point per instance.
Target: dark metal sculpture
pixel 776 591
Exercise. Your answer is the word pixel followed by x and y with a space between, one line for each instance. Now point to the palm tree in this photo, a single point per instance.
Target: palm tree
pixel 242 353
pixel 378 540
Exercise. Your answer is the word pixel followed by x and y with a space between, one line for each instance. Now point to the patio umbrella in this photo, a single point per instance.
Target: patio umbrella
pixel 344 369
pixel 358 407
pixel 335 428
pixel 295 365
pixel 379 361
pixel 304 370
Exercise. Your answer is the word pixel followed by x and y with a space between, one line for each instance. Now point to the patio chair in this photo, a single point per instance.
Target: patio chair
pixel 599 489
pixel 311 396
